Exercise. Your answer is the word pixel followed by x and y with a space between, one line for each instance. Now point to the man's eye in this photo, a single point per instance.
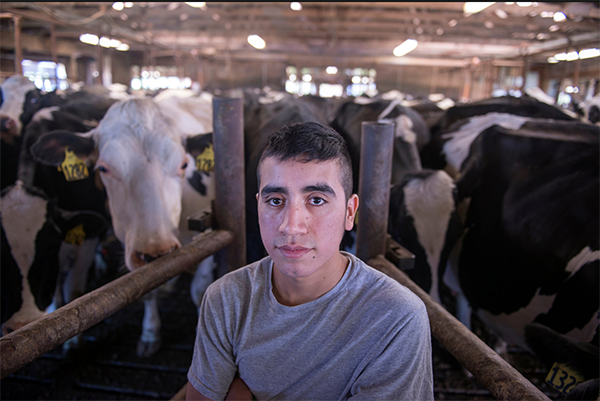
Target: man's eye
pixel 317 201
pixel 275 202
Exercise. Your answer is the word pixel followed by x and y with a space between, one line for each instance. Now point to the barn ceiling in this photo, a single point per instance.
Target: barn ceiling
pixel 323 33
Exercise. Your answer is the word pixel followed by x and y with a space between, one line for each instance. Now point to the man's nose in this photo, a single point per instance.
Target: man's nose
pixel 294 220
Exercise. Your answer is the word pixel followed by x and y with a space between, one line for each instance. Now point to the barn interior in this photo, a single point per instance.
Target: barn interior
pixel 462 51
pixel 322 48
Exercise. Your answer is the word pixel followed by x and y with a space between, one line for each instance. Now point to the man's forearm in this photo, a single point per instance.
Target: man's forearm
pixel 238 391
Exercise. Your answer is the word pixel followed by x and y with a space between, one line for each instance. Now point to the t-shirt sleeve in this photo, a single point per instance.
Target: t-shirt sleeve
pixel 213 365
pixel 401 367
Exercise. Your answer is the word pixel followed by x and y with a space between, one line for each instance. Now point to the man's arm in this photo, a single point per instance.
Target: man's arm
pixel 237 391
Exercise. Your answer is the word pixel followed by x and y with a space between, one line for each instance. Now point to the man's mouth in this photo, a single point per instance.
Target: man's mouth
pixel 293 251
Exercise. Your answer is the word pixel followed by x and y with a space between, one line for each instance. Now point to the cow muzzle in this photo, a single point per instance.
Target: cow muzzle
pixel 9 126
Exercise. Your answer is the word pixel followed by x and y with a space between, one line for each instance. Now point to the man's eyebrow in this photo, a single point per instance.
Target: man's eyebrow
pixel 271 189
pixel 320 187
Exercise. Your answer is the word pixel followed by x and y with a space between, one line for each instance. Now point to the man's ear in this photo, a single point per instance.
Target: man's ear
pixel 351 208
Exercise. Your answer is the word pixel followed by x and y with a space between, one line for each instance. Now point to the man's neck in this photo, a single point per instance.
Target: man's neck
pixel 297 291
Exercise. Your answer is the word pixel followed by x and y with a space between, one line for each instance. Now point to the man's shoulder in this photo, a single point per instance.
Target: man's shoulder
pixel 241 281
pixel 382 288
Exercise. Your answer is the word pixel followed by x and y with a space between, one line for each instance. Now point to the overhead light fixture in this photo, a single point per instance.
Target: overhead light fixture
pixel 306 77
pixel 500 13
pixel 128 4
pixel 476 6
pixel 123 47
pixel 256 41
pixel 547 14
pixel 559 16
pixel 524 3
pixel 118 6
pixel 196 5
pixel 356 79
pixel 331 70
pixel 89 39
pixel 292 77
pixel 405 47
pixel 104 41
pixel 295 6
pixel 589 53
pixel 552 60
pixel 566 56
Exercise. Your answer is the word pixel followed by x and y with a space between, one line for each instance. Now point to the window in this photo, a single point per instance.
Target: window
pixel 46 75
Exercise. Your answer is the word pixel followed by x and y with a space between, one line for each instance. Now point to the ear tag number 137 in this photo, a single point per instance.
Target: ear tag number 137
pixel 73 167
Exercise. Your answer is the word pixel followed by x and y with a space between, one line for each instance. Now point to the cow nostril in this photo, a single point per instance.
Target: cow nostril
pixel 6 124
pixel 150 258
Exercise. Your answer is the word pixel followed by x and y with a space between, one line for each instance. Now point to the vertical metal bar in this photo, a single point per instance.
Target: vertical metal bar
pixel 230 209
pixel 54 51
pixel 18 47
pixel 377 144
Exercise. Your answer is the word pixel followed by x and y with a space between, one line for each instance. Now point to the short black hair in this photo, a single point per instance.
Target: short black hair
pixel 308 141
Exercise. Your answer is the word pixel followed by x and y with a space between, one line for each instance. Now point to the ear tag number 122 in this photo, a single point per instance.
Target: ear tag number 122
pixel 73 167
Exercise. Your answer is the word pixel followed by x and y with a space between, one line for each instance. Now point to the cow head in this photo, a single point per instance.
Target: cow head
pixel 142 161
pixel 20 100
pixel 33 229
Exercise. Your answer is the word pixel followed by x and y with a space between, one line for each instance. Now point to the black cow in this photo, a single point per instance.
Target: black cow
pixel 530 252
pixel 573 365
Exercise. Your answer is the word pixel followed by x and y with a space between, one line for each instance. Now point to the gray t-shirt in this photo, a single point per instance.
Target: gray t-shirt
pixel 367 338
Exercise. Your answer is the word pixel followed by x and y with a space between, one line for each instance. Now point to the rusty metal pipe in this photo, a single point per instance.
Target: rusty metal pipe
pixel 376 147
pixel 230 201
pixel 502 380
pixel 28 343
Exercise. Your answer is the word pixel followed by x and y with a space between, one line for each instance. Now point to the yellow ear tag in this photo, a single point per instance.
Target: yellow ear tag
pixel 205 161
pixel 563 378
pixel 75 236
pixel 73 167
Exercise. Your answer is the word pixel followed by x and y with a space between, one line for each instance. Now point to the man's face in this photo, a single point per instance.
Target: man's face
pixel 302 214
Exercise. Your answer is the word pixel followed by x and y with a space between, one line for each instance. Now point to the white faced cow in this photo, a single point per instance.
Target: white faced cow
pixel 140 153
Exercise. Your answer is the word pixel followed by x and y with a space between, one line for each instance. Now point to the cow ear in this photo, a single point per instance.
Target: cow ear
pixel 50 148
pixel 77 226
pixel 196 144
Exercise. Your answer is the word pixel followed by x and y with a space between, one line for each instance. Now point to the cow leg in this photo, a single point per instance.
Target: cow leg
pixel 76 280
pixel 203 277
pixel 150 340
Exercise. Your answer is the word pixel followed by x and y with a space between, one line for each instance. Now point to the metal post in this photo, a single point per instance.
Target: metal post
pixel 28 343
pixel 18 47
pixel 497 375
pixel 230 201
pixel 377 144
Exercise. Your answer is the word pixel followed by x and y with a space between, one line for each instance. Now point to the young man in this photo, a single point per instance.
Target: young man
pixel 309 322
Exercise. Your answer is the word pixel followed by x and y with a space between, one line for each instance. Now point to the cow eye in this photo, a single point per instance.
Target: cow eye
pixel 184 166
pixel 103 169
pixel 34 100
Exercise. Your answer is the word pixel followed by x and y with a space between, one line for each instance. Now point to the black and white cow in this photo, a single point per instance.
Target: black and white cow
pixel 33 229
pixel 141 155
pixel 462 123
pixel 530 252
pixel 409 129
pixel 19 101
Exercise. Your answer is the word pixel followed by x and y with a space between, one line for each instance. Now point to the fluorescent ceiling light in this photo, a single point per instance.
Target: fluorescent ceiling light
pixel 118 6
pixel 114 43
pixel 559 16
pixel 196 5
pixel 295 6
pixel 128 5
pixel 89 39
pixel 524 3
pixel 552 60
pixel 475 7
pixel 306 77
pixel 589 53
pixel 407 46
pixel 356 79
pixel 292 77
pixel 331 70
pixel 256 41
pixel 123 47
pixel 104 41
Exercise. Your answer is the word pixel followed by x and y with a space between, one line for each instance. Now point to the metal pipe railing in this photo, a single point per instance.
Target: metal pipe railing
pixel 502 380
pixel 376 147
pixel 230 209
pixel 28 343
